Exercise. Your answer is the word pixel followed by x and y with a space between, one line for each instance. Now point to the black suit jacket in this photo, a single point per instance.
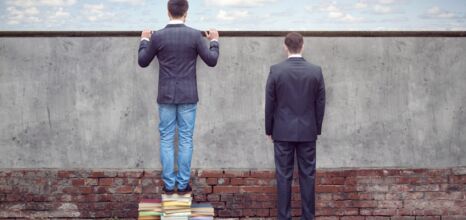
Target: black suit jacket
pixel 177 48
pixel 295 101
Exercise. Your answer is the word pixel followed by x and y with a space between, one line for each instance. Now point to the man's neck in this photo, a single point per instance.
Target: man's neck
pixel 294 55
pixel 176 21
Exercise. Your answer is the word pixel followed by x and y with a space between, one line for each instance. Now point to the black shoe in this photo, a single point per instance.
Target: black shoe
pixel 186 190
pixel 167 191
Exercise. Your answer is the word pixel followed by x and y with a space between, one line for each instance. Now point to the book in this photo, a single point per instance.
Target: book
pixel 202 210
pixel 150 213
pixel 150 209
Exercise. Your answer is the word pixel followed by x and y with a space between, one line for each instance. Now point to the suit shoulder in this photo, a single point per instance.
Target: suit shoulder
pixel 279 66
pixel 193 31
pixel 314 67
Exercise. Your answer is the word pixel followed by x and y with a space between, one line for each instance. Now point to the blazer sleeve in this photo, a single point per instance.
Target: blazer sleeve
pixel 270 103
pixel 209 54
pixel 147 51
pixel 320 103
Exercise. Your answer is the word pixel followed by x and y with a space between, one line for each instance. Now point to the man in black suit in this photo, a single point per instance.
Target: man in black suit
pixel 294 111
pixel 177 48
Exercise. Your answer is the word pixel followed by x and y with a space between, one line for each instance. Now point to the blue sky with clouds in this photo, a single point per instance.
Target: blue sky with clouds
pixel 236 14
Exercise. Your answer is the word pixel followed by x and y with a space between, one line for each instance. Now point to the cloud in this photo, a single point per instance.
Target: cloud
pixel 237 3
pixel 379 6
pixel 30 3
pixel 35 11
pixel 360 5
pixel 131 2
pixel 59 15
pixel 382 9
pixel 232 15
pixel 436 12
pixel 336 13
pixel 95 12
pixel 22 15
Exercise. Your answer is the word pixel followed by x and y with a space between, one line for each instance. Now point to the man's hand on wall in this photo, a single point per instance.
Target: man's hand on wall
pixel 212 34
pixel 146 34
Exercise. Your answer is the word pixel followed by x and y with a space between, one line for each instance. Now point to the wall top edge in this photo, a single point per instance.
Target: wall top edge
pixel 242 33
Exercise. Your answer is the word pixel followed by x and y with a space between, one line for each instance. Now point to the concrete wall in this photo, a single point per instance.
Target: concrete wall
pixel 84 103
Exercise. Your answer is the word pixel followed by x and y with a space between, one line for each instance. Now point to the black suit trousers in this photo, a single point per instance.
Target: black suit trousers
pixel 284 164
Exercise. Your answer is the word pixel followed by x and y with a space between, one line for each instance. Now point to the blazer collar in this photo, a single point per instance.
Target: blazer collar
pixel 175 25
pixel 296 58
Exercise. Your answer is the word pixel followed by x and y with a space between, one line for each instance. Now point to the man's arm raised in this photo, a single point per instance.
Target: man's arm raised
pixel 209 54
pixel 147 51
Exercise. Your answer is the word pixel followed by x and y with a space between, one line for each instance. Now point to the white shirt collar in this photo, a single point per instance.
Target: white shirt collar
pixel 295 56
pixel 176 22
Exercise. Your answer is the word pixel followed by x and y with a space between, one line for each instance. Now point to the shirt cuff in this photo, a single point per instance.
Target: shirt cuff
pixel 145 38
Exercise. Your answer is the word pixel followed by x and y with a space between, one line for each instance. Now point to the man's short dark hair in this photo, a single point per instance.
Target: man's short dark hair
pixel 294 42
pixel 178 8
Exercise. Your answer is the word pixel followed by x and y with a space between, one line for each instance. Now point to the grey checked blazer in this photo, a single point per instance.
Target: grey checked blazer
pixel 177 48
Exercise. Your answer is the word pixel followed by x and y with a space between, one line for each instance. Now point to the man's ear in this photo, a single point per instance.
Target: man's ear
pixel 285 48
pixel 169 15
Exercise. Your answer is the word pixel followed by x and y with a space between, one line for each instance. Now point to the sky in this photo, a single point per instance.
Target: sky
pixel 267 15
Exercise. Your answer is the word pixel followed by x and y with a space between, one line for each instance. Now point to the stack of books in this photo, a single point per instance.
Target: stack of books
pixel 176 207
pixel 150 209
pixel 203 211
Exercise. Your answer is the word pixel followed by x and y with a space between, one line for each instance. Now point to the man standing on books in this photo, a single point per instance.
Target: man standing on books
pixel 177 47
pixel 294 111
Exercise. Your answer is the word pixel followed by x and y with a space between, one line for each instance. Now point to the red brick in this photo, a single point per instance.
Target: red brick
pixel 352 218
pixel 218 205
pixel 403 218
pixel 223 181
pixel 385 212
pixel 407 180
pixel 85 190
pixel 329 188
pixel 230 213
pixel 203 190
pixel 428 218
pixel 226 189
pixel 295 212
pixel 262 174
pixel 459 217
pixel 390 204
pixel 237 181
pixel 97 174
pixel 365 172
pixel 105 181
pixel 327 218
pixel 200 198
pixel 64 174
pixel 457 179
pixel 213 198
pixel 258 189
pixel 331 181
pixel 377 218
pixel 427 188
pixel 236 173
pixel 124 189
pixel 337 212
pixel 210 173
pixel 364 204
pixel 262 212
pixel 211 181
pixel 444 195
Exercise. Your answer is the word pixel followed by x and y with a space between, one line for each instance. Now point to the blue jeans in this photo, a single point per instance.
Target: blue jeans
pixel 171 116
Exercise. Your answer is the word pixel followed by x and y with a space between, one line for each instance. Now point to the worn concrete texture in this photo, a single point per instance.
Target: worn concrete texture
pixel 84 102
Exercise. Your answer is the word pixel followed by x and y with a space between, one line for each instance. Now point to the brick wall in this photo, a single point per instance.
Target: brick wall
pixel 366 194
